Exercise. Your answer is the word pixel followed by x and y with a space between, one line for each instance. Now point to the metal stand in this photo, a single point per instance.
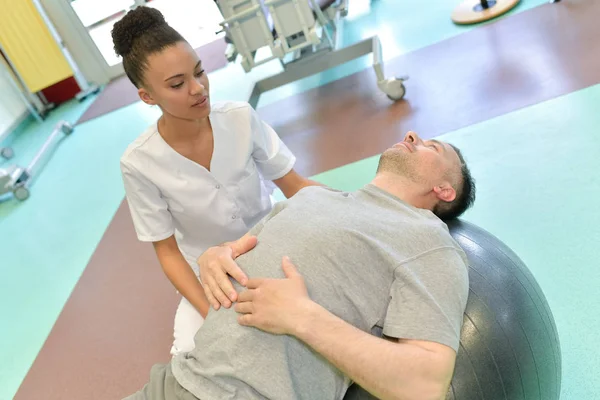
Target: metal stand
pixel 325 59
pixel 303 32
pixel 17 179
pixel 485 4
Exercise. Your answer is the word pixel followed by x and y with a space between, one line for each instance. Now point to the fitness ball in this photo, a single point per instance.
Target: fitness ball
pixel 509 346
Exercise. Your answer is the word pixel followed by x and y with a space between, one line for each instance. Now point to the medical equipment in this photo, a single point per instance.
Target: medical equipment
pixel 476 11
pixel 307 31
pixel 17 179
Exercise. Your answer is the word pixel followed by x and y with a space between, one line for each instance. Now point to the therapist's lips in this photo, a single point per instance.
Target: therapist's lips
pixel 202 102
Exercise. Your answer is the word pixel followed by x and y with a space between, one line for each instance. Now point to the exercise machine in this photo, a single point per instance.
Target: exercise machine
pixel 16 179
pixel 476 11
pixel 303 35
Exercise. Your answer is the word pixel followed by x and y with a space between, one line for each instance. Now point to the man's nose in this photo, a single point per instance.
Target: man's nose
pixel 412 137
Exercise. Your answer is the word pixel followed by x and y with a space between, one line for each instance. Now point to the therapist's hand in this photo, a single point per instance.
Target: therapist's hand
pixel 217 264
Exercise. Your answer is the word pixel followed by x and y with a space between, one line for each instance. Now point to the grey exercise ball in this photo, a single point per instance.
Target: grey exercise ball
pixel 509 347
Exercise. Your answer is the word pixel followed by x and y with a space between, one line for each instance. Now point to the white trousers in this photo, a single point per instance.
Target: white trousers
pixel 187 322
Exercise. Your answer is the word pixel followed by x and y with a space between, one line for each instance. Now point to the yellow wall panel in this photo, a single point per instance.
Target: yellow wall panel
pixel 29 45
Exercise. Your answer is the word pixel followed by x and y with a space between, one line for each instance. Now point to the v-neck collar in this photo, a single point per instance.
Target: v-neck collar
pixel 177 154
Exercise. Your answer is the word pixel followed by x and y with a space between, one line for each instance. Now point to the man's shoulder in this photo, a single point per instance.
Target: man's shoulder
pixel 427 236
pixel 439 231
pixel 317 191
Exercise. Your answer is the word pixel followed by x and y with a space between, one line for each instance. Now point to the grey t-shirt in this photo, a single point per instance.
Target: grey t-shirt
pixel 367 257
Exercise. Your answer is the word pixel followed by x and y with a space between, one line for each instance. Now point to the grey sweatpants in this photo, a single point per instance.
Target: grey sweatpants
pixel 162 386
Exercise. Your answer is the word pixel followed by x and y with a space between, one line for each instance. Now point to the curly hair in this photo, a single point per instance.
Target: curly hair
pixel 140 33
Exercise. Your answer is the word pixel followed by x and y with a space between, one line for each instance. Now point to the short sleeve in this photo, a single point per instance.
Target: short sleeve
pixel 273 158
pixel 149 211
pixel 428 298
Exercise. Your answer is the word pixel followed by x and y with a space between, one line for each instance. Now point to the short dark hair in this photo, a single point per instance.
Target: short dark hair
pixel 140 33
pixel 465 194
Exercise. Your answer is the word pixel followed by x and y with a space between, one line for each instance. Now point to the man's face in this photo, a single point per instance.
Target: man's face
pixel 427 162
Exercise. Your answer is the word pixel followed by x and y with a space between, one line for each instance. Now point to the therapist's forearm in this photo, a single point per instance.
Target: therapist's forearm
pixel 292 183
pixel 185 281
pixel 181 275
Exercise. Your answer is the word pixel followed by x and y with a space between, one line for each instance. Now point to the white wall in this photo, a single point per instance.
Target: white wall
pixel 12 108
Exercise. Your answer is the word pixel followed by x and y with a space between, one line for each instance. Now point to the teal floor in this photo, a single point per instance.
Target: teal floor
pixel 46 242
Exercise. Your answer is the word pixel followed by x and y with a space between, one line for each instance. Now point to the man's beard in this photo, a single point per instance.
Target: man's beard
pixel 401 163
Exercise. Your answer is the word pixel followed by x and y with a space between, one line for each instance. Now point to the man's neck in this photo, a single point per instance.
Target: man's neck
pixel 405 189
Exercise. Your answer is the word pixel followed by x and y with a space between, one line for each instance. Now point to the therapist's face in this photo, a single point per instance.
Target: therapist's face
pixel 175 81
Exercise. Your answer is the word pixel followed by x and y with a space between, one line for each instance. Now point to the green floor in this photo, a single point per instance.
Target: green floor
pixel 548 153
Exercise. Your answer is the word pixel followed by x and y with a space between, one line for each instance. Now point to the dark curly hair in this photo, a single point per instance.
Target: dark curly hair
pixel 142 32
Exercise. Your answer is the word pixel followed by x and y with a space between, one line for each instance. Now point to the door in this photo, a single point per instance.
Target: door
pixel 196 20
pixel 97 19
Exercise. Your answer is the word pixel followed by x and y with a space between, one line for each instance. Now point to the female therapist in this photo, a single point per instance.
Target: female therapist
pixel 198 177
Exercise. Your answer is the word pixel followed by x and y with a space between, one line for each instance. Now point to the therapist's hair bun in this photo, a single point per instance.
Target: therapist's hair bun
pixel 142 32
pixel 133 26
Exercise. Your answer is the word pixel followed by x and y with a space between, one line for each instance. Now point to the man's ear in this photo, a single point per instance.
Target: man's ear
pixel 146 97
pixel 445 192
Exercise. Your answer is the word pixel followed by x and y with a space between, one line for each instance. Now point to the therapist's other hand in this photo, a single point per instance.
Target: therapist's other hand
pixel 276 306
pixel 217 264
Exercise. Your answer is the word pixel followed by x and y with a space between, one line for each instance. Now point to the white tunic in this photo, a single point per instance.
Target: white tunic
pixel 169 194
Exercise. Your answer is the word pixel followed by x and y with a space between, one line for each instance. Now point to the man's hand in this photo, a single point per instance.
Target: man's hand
pixel 275 305
pixel 216 264
pixel 404 369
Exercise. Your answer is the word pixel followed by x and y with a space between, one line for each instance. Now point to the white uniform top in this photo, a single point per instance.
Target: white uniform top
pixel 170 194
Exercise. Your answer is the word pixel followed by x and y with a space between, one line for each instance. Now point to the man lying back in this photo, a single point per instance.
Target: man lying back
pixel 331 272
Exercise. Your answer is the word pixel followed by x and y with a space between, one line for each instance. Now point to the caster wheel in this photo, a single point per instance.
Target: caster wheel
pixel 67 128
pixel 21 193
pixel 394 88
pixel 7 153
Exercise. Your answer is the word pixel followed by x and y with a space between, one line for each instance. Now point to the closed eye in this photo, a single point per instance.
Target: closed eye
pixel 177 86
pixel 439 146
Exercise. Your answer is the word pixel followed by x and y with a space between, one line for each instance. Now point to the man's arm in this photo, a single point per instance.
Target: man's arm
pixel 405 369
pixel 292 182
pixel 398 369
